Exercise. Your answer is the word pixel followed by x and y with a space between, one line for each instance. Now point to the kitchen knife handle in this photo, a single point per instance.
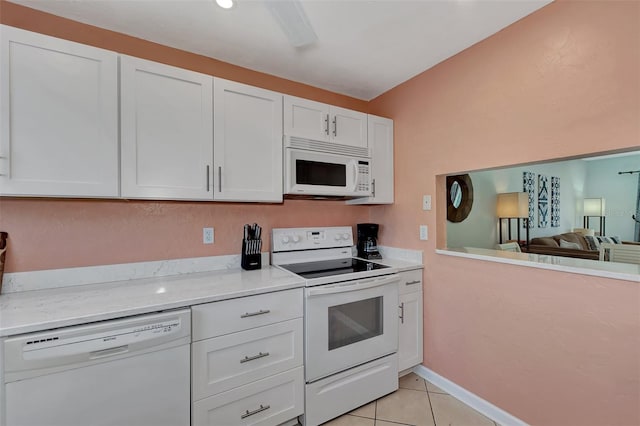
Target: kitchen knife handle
pixel 219 178
pixel 208 178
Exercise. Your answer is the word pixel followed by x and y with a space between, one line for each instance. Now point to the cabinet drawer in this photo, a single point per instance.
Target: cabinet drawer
pixel 229 316
pixel 226 362
pixel 410 281
pixel 269 401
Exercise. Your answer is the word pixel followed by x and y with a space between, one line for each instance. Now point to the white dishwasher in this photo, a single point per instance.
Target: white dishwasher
pixel 127 372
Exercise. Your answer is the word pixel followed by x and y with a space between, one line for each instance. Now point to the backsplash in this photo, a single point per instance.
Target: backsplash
pixel 58 233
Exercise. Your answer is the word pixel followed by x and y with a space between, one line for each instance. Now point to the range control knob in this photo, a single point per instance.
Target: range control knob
pixel 285 239
pixel 337 237
pixel 345 236
pixel 296 238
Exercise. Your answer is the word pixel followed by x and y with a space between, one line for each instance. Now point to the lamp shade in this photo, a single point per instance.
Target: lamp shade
pixel 513 204
pixel 594 207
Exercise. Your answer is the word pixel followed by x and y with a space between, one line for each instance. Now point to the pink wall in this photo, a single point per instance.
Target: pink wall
pixel 550 348
pixel 50 234
pixel 45 234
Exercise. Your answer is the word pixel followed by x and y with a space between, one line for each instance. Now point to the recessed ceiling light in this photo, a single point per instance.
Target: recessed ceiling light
pixel 225 4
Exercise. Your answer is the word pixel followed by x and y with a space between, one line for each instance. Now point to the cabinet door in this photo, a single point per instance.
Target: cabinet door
pixel 167 131
pixel 410 333
pixel 247 143
pixel 348 127
pixel 306 119
pixel 59 117
pixel 380 137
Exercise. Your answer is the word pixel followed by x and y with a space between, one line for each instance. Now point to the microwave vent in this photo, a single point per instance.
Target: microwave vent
pixel 327 147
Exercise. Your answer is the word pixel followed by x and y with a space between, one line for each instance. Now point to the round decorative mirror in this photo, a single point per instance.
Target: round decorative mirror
pixel 459 197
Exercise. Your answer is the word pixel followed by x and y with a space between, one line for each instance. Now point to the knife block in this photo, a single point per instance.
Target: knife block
pixel 251 257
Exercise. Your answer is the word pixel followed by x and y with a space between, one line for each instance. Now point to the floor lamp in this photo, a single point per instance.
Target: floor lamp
pixel 513 205
pixel 594 207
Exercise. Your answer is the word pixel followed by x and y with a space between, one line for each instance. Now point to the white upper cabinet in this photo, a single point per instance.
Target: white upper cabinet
pixel 247 143
pixel 59 117
pixel 166 131
pixel 381 144
pixel 306 119
pixel 321 122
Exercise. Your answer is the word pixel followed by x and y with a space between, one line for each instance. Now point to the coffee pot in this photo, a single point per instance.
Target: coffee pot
pixel 368 241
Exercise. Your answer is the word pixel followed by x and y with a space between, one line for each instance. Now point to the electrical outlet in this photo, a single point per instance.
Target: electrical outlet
pixel 424 232
pixel 426 202
pixel 207 235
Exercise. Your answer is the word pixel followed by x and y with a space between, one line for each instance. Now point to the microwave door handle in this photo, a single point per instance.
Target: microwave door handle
pixel 354 165
pixel 357 285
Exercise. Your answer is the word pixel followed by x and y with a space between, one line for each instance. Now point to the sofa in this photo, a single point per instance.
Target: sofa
pixel 553 246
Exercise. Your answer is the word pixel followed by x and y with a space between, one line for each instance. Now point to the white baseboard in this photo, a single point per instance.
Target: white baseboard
pixel 472 400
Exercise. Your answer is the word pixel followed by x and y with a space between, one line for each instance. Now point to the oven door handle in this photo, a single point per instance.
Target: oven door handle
pixel 352 286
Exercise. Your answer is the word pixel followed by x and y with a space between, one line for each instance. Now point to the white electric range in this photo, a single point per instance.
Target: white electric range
pixel 350 320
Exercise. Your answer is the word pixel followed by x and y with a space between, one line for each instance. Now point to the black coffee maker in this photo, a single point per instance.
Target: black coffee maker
pixel 368 241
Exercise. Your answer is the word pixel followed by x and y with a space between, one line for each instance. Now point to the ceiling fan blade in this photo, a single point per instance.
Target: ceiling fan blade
pixel 293 20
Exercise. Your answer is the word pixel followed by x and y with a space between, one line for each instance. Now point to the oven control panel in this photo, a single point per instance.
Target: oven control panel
pixel 293 239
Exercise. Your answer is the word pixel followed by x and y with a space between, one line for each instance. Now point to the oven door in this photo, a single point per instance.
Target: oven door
pixel 317 173
pixel 349 323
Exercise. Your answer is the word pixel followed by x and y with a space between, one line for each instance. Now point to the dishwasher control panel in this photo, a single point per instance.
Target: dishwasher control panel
pixel 96 341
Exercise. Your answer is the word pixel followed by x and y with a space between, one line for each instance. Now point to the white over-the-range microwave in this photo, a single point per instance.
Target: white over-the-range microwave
pixel 324 169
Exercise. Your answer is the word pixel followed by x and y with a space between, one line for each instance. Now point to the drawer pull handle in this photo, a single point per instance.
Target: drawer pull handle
pixel 412 282
pixel 256 411
pixel 401 313
pixel 253 314
pixel 251 358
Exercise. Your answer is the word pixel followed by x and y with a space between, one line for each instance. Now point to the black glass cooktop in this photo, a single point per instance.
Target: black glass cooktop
pixel 326 268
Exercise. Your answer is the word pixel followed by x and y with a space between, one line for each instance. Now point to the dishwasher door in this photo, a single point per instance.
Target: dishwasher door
pixel 132 372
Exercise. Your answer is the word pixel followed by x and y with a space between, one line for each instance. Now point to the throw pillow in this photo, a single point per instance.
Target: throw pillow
pixel 592 242
pixel 570 245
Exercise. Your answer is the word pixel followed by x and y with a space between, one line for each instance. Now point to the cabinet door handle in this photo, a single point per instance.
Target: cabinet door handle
pixel 326 125
pixel 251 358
pixel 256 411
pixel 219 178
pixel 253 314
pixel 401 313
pixel 335 126
pixel 373 187
pixel 412 282
pixel 208 178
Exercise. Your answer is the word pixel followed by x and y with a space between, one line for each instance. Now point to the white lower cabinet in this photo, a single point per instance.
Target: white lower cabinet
pixel 247 356
pixel 247 360
pixel 411 320
pixel 269 401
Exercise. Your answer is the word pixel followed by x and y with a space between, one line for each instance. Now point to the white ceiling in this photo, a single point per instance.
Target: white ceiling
pixel 364 47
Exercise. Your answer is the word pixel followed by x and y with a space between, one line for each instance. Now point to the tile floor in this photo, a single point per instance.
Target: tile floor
pixel 416 403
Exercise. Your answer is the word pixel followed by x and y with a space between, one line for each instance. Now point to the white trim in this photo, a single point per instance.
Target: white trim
pixel 472 400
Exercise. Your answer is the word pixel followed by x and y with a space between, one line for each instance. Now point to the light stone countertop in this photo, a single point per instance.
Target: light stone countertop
pixel 29 311
pixel 400 265
pixel 620 271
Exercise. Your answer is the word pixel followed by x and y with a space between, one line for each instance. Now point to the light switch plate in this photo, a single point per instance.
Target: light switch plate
pixel 426 202
pixel 424 232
